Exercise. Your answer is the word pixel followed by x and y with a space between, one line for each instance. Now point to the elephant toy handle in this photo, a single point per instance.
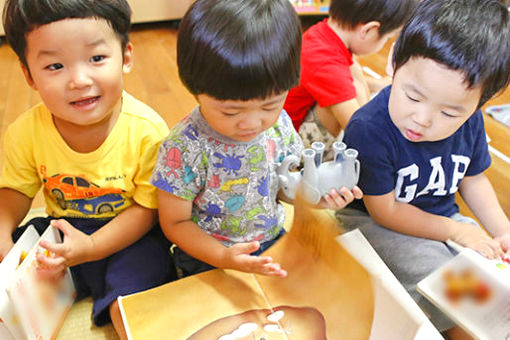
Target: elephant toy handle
pixel 356 170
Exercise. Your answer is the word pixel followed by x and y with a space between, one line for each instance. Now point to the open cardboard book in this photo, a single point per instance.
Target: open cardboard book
pixel 31 308
pixel 474 292
pixel 327 294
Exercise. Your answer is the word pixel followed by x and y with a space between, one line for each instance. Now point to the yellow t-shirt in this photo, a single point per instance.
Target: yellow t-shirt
pixel 101 183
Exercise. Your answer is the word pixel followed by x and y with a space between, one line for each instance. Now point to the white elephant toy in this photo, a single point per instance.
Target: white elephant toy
pixel 316 177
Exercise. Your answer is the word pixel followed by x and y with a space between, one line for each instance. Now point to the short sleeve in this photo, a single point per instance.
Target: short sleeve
pixel 331 84
pixel 480 159
pixel 145 193
pixel 293 144
pixel 377 173
pixel 19 170
pixel 178 171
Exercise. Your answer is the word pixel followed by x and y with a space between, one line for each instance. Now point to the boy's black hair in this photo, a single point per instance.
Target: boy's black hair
pixel 391 14
pixel 471 36
pixel 23 16
pixel 239 49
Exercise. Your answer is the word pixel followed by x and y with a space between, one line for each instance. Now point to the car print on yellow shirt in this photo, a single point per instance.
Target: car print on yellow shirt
pixel 79 194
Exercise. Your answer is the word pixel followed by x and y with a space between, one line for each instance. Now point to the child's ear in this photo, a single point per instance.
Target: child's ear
pixel 28 76
pixel 369 28
pixel 128 58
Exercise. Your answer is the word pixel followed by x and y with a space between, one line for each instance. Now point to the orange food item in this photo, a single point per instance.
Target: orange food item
pixel 465 284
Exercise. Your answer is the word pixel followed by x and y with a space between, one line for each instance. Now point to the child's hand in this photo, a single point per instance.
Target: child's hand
pixel 76 248
pixel 504 242
pixel 475 238
pixel 238 257
pixel 338 200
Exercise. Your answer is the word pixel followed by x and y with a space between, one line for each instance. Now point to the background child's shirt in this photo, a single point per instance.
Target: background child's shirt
pixel 424 174
pixel 325 73
pixel 233 185
pixel 101 183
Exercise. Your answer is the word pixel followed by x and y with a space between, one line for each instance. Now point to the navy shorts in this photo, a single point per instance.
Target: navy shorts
pixel 143 265
pixel 187 265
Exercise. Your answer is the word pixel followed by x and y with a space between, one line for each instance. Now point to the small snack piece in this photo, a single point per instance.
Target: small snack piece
pixel 465 284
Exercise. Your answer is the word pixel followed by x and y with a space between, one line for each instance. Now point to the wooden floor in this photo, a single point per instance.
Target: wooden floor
pixel 154 80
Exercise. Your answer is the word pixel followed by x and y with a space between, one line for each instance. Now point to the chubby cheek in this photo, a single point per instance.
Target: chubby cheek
pixel 395 109
pixel 272 121
pixel 49 95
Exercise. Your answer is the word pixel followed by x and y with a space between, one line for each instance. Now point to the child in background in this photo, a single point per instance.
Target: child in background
pixel 216 171
pixel 332 85
pixel 423 139
pixel 90 145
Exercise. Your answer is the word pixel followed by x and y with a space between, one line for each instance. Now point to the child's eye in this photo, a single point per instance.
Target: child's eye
pixel 448 114
pixel 230 113
pixel 97 58
pixel 54 67
pixel 411 98
pixel 269 109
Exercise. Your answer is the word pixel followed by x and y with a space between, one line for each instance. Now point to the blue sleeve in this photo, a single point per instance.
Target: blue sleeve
pixel 480 159
pixel 377 174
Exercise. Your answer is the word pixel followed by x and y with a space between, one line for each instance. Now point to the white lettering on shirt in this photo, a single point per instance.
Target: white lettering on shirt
pixel 412 171
pixel 458 175
pixel 437 179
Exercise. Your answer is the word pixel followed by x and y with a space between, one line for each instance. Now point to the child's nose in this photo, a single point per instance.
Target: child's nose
pixel 250 122
pixel 423 117
pixel 79 79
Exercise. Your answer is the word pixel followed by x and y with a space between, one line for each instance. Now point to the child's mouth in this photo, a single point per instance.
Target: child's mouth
pixel 84 103
pixel 412 135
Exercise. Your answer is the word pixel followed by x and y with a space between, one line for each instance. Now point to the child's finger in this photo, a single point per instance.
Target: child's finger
pixel 62 225
pixel 334 203
pixel 337 200
pixel 264 259
pixel 274 269
pixel 358 194
pixel 495 249
pixel 48 261
pixel 498 250
pixel 57 248
pixel 490 250
pixel 50 272
pixel 347 194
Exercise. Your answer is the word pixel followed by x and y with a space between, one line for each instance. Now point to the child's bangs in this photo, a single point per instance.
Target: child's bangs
pixel 247 72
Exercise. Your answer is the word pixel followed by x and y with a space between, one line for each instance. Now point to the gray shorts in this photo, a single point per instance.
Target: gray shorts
pixel 410 258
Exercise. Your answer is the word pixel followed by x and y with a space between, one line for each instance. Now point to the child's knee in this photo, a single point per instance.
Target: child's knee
pixel 114 309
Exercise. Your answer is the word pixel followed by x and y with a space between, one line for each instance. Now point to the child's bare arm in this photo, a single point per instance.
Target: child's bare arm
pixel 335 117
pixel 410 220
pixel 480 197
pixel 175 219
pixel 360 83
pixel 375 85
pixel 13 208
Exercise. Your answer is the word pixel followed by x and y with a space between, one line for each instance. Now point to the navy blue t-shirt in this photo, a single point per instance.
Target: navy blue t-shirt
pixel 424 174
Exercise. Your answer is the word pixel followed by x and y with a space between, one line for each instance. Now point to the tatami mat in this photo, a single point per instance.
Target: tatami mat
pixel 78 325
